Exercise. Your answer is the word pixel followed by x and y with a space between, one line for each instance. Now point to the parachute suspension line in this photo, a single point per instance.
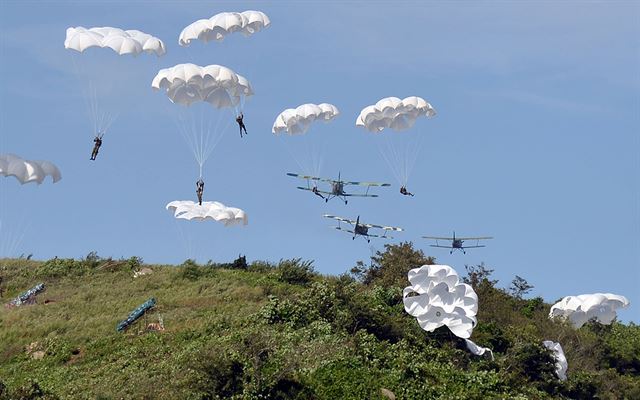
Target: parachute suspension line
pixel 197 132
pixel 391 158
pixel 11 240
pixel 412 151
pixel 292 155
pixel 101 119
pixel 186 242
pixel 316 160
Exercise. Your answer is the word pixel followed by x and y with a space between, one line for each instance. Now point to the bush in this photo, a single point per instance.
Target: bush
pixel 222 375
pixel 295 271
pixel 189 270
pixel 285 311
pixel 58 267
pixel 91 260
pixel 135 263
pixel 531 306
pixel 389 268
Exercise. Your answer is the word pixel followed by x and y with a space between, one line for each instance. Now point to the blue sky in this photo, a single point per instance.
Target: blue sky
pixel 535 142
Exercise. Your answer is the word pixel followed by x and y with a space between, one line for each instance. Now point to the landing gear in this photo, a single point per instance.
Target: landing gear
pixel 345 202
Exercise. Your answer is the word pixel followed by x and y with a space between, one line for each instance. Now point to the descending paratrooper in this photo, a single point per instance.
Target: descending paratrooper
pixel 199 190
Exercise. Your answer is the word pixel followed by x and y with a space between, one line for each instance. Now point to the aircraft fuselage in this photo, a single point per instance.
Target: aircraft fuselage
pixel 337 189
pixel 361 230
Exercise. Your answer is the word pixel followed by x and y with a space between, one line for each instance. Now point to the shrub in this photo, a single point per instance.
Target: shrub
pixel 531 306
pixel 58 267
pixel 389 268
pixel 189 270
pixel 135 263
pixel 222 375
pixel 295 271
pixel 285 311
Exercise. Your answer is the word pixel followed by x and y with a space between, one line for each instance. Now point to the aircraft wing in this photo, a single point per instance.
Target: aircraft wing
pixel 339 219
pixel 343 230
pixel 366 183
pixel 309 189
pixel 473 247
pixel 437 238
pixel 307 177
pixel 442 247
pixel 386 228
pixel 379 236
pixel 359 195
pixel 475 238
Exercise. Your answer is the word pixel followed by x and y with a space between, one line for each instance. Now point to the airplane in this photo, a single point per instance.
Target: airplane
pixel 337 187
pixel 457 242
pixel 361 229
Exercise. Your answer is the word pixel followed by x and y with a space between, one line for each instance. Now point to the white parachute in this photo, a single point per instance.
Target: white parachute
pixel 99 75
pixel 478 350
pixel 223 24
pixel 121 41
pixel 26 171
pixel 209 210
pixel 399 151
pixel 580 309
pixel 436 298
pixel 214 84
pixel 558 355
pixel 295 121
pixel 391 112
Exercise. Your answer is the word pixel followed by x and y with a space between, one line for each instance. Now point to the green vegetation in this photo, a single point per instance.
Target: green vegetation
pixel 282 331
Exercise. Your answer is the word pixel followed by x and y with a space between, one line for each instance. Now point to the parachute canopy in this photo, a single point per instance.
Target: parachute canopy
pixel 478 350
pixel 391 112
pixel 297 120
pixel 436 297
pixel 121 41
pixel 582 308
pixel 220 25
pixel 28 171
pixel 188 83
pixel 212 210
pixel 558 355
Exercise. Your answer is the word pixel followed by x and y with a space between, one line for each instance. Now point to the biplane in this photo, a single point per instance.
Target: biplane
pixel 337 187
pixel 457 243
pixel 362 229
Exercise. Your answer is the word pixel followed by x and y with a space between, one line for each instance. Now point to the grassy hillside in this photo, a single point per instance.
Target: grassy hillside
pixel 279 331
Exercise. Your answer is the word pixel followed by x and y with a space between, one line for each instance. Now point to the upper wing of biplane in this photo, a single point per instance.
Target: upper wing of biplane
pixel 307 177
pixel 359 195
pixel 367 183
pixel 437 238
pixel 339 219
pixel 475 238
pixel 386 228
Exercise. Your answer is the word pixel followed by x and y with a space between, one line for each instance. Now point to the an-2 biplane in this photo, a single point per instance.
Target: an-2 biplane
pixel 337 187
pixel 362 229
pixel 457 242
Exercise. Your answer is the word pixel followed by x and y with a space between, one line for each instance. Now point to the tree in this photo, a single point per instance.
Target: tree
pixel 389 268
pixel 478 275
pixel 519 287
